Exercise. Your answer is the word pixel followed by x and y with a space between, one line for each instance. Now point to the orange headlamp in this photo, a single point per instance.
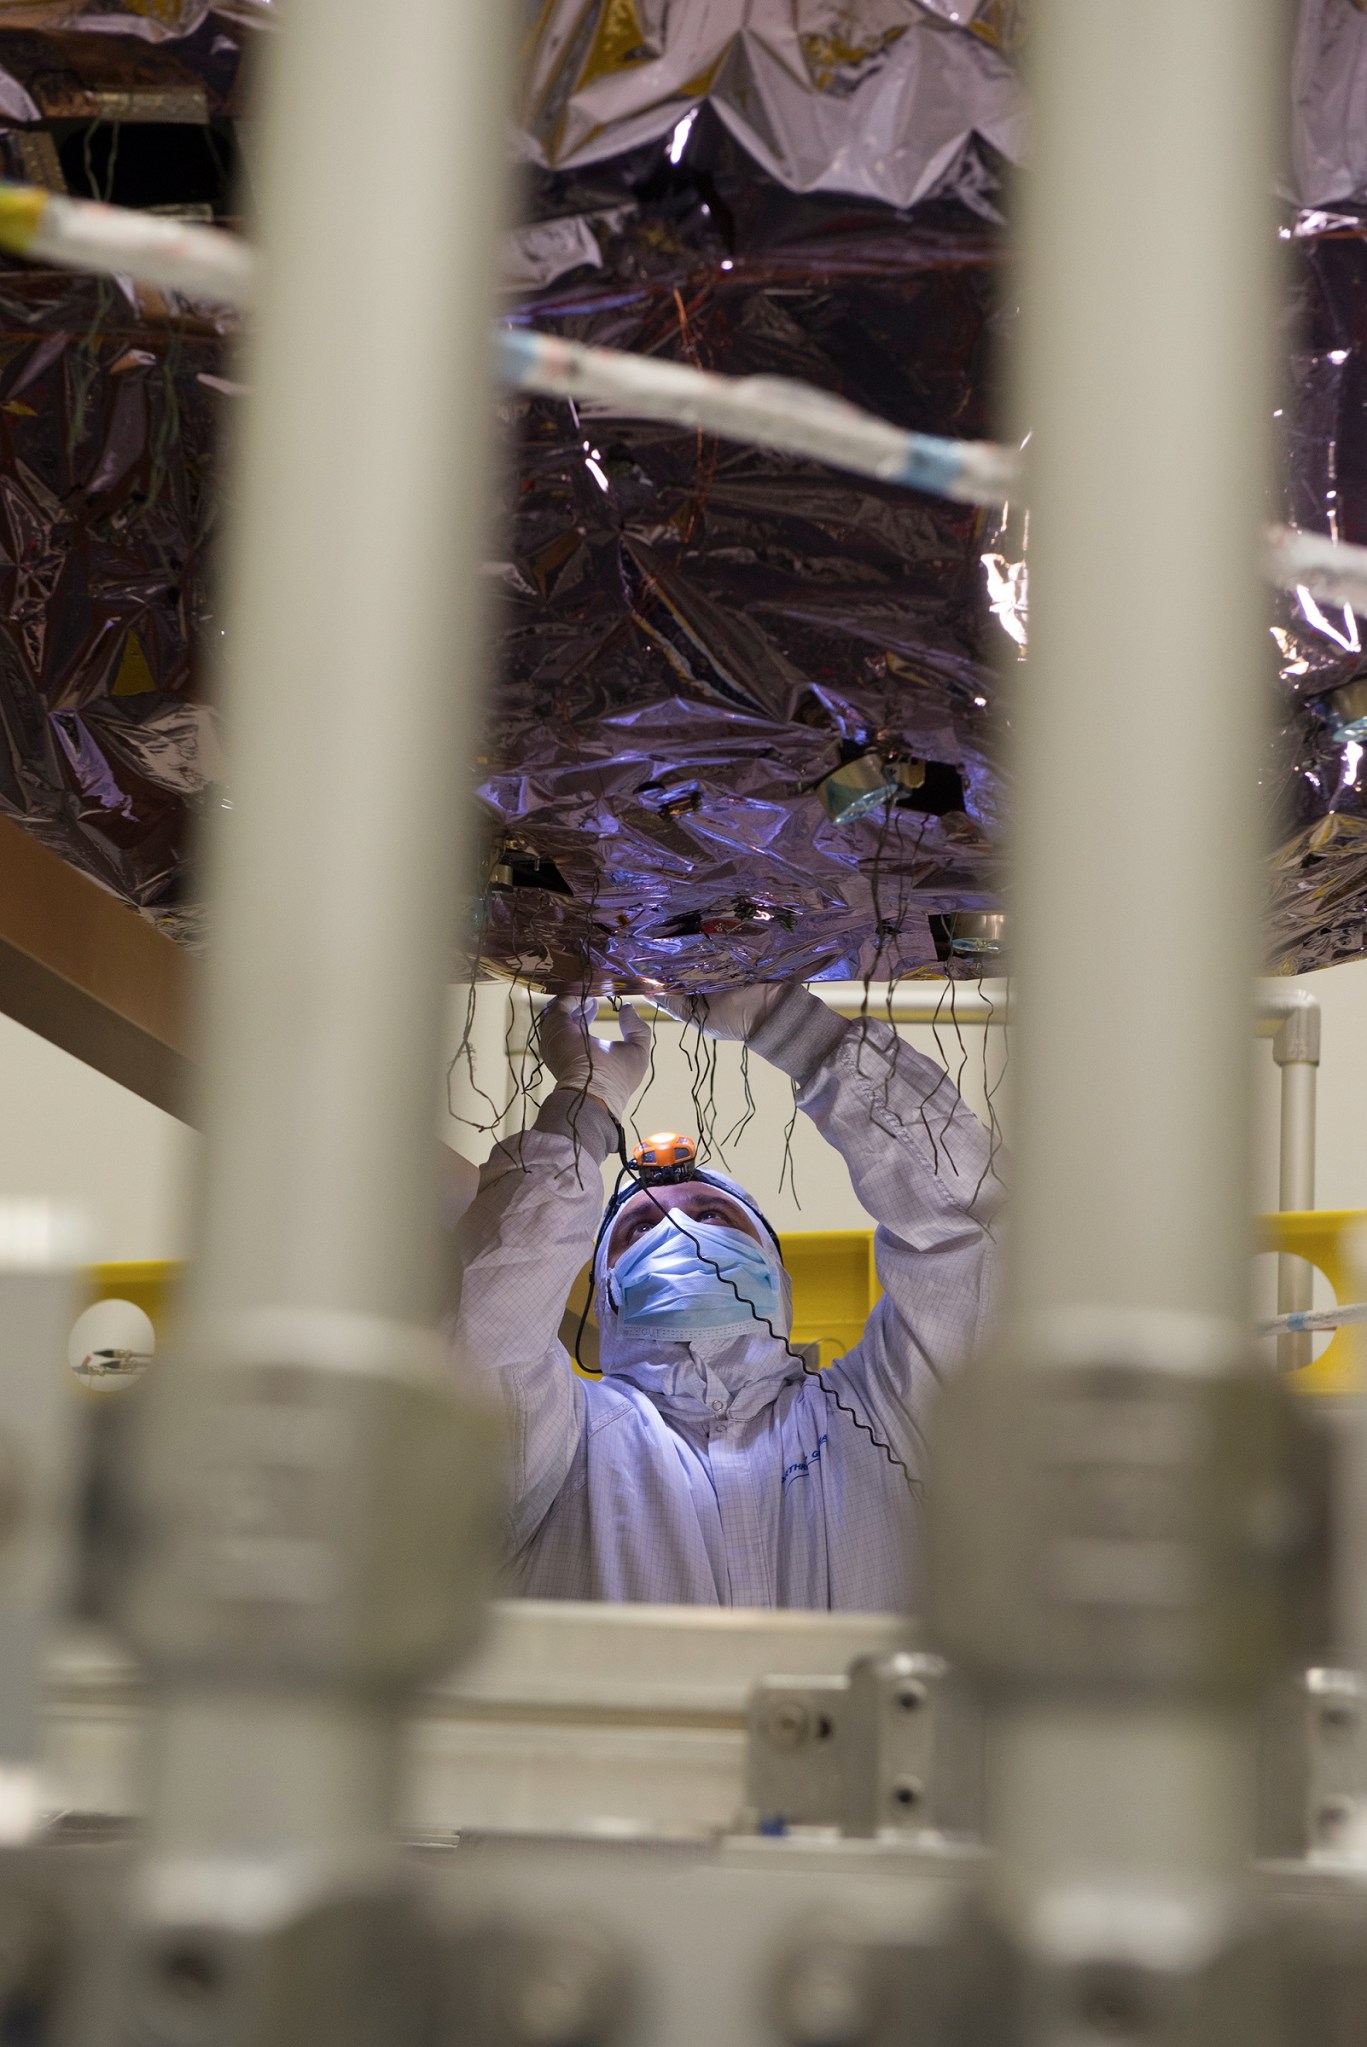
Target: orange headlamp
pixel 665 1158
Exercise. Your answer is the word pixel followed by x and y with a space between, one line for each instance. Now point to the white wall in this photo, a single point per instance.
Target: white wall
pixel 816 1194
pixel 826 1200
pixel 1341 1175
pixel 67 1132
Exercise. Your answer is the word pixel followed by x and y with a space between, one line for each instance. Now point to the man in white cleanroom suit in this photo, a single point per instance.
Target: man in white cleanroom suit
pixel 708 1465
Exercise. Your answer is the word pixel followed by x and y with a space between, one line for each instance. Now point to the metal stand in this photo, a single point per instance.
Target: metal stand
pixel 1294 1027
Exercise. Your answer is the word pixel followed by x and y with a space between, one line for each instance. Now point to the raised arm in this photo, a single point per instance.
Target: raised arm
pixel 525 1238
pixel 921 1164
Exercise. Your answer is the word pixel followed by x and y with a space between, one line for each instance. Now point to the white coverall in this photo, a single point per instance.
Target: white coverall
pixel 721 1474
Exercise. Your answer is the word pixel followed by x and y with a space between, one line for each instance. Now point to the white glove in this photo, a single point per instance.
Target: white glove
pixel 602 1067
pixel 736 1013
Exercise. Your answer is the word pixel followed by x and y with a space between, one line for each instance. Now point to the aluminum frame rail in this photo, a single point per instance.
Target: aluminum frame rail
pixel 1291 1018
pixel 1288 1016
pixel 1098 1477
pixel 311 1494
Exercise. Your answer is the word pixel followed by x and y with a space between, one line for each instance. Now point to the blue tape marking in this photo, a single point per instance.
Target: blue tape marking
pixel 515 350
pixel 931 464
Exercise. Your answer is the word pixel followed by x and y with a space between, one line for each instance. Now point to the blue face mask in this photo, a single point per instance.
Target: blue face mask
pixel 661 1283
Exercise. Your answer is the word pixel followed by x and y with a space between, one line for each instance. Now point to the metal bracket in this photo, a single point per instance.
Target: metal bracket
pixel 1313 1776
pixel 895 1746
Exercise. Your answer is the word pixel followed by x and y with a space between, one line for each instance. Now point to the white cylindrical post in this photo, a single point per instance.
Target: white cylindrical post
pixel 1146 349
pixel 1145 380
pixel 1077 1573
pixel 1296 1050
pixel 312 1491
pixel 353 654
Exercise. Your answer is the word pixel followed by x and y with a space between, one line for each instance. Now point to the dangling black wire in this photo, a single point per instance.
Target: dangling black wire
pixel 747 1115
pixel 944 1080
pixel 787 1169
pixel 714 1055
pixel 990 1087
pixel 963 1051
pixel 608 1213
pixel 881 930
pixel 465 1053
pixel 650 1082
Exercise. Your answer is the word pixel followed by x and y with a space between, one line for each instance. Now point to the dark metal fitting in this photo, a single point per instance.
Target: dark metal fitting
pixel 1296 1040
pixel 1103 1971
pixel 908 1794
pixel 1334 1817
pixel 283 1968
pixel 1312 1775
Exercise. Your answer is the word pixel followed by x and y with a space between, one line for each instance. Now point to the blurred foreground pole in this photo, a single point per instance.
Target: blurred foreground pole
pixel 1116 1517
pixel 312 1497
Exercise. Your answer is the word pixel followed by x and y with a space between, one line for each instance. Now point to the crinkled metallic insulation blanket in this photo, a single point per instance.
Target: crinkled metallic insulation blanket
pixel 741 721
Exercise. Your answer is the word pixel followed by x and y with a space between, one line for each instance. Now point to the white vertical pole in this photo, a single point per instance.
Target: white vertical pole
pixel 1296 1050
pixel 353 654
pixel 313 1521
pixel 1121 1742
pixel 1147 337
pixel 42 1247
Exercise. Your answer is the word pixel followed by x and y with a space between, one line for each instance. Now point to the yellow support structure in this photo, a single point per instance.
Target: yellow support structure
pixel 835 1285
pixel 148 1283
pixel 1334 1240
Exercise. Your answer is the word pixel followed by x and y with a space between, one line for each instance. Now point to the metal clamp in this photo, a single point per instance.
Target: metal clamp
pixel 1151 1525
pixel 895 1746
pixel 314 1490
pixel 1313 1765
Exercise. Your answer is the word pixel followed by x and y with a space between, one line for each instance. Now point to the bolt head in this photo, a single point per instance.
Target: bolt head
pixel 572 1991
pixel 184 1983
pixel 1112 2004
pixel 1333 1817
pixel 189 1972
pixel 825 1998
pixel 787 1724
pixel 1338 1717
